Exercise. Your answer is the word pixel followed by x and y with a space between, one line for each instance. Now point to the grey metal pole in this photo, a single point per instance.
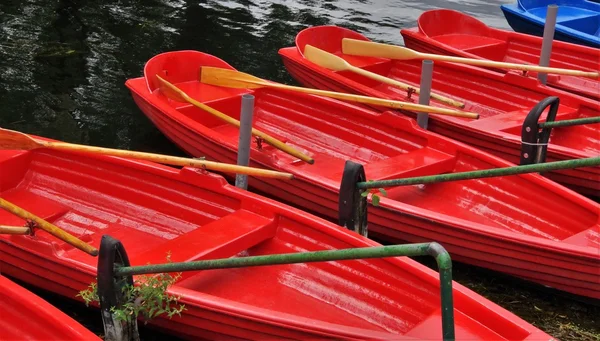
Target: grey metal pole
pixel 241 180
pixel 549 27
pixel 425 91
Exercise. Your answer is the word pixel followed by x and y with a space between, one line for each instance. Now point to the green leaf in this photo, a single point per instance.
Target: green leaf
pixel 364 194
pixel 383 192
pixel 375 200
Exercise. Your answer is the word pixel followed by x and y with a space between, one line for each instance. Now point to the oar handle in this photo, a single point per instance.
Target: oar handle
pixel 19 230
pixel 405 86
pixel 171 160
pixel 378 101
pixel 46 226
pixel 513 66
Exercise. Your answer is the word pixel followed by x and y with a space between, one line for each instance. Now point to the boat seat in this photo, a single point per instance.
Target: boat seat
pixel 205 93
pixel 585 23
pixel 15 163
pixel 502 121
pixel 468 41
pixel 494 51
pixel 589 238
pixel 222 238
pixel 467 328
pixel 362 62
pixel 42 207
pixel 423 161
pixel 513 121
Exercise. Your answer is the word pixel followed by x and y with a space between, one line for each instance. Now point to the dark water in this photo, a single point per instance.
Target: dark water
pixel 63 64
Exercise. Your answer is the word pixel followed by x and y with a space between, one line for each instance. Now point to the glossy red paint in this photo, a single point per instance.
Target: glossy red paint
pixel 524 225
pixel 26 316
pixel 502 101
pixel 195 215
pixel 449 32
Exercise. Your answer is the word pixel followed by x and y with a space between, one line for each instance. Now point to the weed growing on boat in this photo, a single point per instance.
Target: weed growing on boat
pixel 148 297
pixel 374 194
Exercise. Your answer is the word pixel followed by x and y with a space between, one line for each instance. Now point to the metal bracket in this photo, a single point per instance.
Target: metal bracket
pixel 352 205
pixel 110 290
pixel 534 142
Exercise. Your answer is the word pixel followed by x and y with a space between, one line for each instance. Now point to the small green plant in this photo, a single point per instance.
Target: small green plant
pixel 374 194
pixel 148 297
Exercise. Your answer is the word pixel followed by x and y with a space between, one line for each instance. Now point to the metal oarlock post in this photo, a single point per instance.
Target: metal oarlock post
pixel 241 180
pixel 549 27
pixel 432 249
pixel 425 91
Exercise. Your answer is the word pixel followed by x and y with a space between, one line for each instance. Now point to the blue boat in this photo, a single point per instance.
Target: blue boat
pixel 578 21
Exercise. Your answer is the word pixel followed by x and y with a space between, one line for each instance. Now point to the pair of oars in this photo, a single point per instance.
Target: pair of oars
pixel 240 80
pixel 174 93
pixel 335 63
pixel 371 49
pixel 14 140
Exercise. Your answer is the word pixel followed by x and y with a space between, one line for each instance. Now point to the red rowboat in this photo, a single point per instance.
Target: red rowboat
pixel 525 225
pixel 449 32
pixel 26 316
pixel 502 100
pixel 196 215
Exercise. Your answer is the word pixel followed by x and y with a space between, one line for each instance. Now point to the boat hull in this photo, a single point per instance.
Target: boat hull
pixel 192 215
pixel 27 316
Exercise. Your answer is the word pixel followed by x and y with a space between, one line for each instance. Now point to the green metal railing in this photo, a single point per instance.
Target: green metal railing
pixel 432 249
pixel 486 173
pixel 568 123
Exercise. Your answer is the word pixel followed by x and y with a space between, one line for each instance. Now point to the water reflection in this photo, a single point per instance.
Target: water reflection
pixel 64 62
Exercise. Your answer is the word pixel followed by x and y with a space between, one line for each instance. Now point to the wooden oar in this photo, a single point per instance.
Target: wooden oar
pixel 235 79
pixel 14 140
pixel 371 49
pixel 46 226
pixel 335 63
pixel 177 94
pixel 14 230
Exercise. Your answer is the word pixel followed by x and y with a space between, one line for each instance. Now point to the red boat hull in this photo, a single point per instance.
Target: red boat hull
pixel 156 210
pixel 502 101
pixel 26 316
pixel 408 214
pixel 449 32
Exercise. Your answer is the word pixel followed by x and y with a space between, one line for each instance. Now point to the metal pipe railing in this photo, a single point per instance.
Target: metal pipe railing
pixel 422 249
pixel 484 173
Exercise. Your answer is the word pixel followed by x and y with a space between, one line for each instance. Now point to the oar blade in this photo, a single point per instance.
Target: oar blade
pixel 325 59
pixel 371 49
pixel 170 90
pixel 14 140
pixel 230 78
